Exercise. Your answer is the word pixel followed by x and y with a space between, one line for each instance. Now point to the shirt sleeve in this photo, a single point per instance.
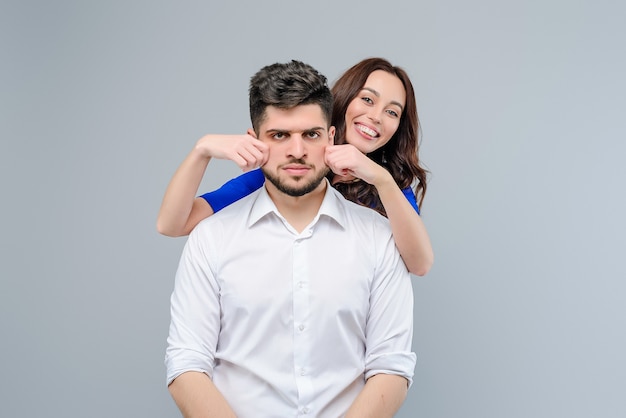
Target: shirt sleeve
pixel 195 313
pixel 235 189
pixel 389 328
pixel 410 196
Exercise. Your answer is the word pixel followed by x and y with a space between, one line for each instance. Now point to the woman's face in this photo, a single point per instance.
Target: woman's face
pixel 373 116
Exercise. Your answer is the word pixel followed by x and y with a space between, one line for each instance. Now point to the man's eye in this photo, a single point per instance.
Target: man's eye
pixel 313 135
pixel 279 135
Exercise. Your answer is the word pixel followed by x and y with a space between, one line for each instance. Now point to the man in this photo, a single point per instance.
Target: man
pixel 292 301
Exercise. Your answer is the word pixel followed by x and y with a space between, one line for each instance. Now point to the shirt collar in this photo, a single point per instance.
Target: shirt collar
pixel 333 206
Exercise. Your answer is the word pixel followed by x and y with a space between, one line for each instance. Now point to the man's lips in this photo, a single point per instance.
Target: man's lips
pixel 296 170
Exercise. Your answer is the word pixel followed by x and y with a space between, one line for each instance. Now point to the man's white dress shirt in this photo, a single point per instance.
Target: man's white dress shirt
pixel 291 324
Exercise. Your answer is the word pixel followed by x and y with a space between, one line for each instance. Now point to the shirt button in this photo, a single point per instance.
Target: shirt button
pixel 302 372
pixel 305 410
pixel 301 327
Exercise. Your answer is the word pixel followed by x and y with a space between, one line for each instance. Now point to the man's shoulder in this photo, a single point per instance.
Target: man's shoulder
pixel 231 215
pixel 354 211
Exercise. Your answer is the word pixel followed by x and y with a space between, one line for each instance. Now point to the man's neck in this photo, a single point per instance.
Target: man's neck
pixel 301 210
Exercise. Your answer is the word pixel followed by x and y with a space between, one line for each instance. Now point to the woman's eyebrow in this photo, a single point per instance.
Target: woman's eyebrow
pixel 371 90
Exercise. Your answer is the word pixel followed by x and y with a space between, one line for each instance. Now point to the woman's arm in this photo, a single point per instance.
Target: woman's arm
pixel 180 210
pixel 407 227
pixel 409 232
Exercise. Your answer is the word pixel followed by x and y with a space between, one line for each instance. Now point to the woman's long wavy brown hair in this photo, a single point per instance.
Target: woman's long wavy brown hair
pixel 400 156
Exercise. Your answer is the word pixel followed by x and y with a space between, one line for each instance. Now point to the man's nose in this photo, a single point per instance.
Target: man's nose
pixel 297 147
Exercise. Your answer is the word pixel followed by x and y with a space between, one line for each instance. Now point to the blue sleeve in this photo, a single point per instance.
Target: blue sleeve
pixel 410 196
pixel 235 189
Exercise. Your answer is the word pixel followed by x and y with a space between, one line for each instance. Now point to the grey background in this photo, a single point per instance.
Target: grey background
pixel 522 108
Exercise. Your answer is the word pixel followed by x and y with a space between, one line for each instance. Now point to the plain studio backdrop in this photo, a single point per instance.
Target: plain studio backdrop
pixel 522 106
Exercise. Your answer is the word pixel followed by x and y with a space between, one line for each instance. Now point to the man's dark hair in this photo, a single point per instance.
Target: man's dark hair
pixel 286 86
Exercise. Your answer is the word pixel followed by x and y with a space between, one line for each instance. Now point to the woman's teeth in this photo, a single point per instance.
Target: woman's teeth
pixel 367 130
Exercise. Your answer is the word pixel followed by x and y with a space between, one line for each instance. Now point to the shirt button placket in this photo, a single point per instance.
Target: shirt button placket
pixel 301 313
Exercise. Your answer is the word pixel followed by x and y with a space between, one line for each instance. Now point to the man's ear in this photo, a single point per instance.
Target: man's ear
pixel 331 135
pixel 251 133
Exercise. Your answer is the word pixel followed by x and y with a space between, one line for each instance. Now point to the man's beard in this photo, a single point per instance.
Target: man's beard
pixel 301 188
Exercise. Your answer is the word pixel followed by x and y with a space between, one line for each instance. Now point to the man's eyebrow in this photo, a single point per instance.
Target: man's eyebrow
pixel 377 94
pixel 273 130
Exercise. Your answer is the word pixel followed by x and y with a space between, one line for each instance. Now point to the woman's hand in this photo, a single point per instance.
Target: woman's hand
pixel 245 150
pixel 349 164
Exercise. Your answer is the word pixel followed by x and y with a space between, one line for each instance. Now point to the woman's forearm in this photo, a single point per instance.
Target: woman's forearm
pixel 409 231
pixel 178 201
pixel 181 211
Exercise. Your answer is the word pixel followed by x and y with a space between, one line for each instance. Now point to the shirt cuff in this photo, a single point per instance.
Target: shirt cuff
pixel 400 364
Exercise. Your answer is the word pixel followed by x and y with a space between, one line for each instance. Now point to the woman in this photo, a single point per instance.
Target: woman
pixel 374 162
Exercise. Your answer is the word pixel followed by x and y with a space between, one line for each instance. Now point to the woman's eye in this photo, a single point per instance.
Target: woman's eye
pixel 393 113
pixel 367 100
